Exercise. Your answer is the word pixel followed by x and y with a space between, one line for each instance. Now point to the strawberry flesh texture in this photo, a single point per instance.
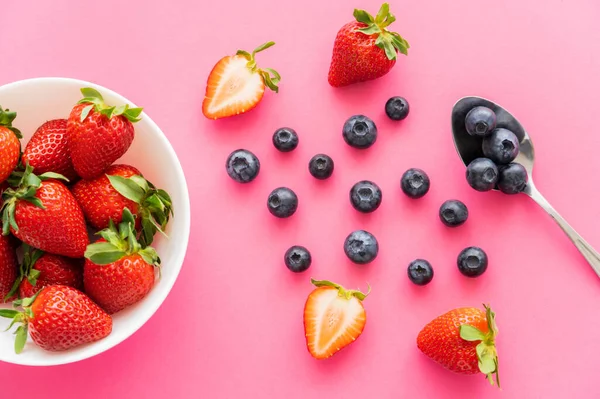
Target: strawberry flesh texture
pixel 54 270
pixel 356 58
pixel 8 266
pixel 47 150
pixel 10 148
pixel 97 142
pixel 64 318
pixel 59 229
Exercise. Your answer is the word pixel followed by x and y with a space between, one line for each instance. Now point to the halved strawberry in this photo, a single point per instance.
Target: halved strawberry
pixel 236 85
pixel 333 318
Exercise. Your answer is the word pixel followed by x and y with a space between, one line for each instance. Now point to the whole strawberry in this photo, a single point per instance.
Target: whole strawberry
pixel 365 49
pixel 8 268
pixel 58 318
pixel 464 341
pixel 99 134
pixel 42 212
pixel 117 272
pixel 47 150
pixel 122 186
pixel 10 146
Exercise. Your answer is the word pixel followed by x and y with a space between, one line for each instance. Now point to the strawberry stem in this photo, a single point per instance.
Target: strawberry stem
pixel 96 102
pixel 6 119
pixel 269 76
pixel 390 42
pixel 341 290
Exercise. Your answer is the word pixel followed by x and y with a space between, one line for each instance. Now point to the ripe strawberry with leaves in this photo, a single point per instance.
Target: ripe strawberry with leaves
pixel 42 212
pixel 236 85
pixel 47 150
pixel 117 272
pixel 58 318
pixel 99 134
pixel 8 268
pixel 333 318
pixel 464 341
pixel 10 146
pixel 365 49
pixel 123 186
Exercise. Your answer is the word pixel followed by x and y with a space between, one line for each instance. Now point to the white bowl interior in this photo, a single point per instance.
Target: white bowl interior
pixel 39 100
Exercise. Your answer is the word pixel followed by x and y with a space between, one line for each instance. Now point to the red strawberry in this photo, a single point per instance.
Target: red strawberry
pixel 47 150
pixel 365 49
pixel 59 318
pixel 333 318
pixel 8 268
pixel 10 146
pixel 236 85
pixel 99 134
pixel 463 340
pixel 44 214
pixel 105 197
pixel 117 272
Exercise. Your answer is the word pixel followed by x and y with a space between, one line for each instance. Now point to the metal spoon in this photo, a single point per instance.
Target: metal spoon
pixel 469 148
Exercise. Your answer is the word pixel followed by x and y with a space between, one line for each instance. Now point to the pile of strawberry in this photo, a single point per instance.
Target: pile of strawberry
pixel 61 187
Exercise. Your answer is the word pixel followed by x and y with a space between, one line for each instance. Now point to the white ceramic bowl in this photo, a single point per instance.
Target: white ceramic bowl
pixel 38 100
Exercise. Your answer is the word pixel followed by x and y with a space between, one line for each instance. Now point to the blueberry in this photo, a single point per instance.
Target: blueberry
pixel 482 174
pixel 501 146
pixel 297 259
pixel 472 261
pixel 282 202
pixel 242 166
pixel 397 108
pixel 365 196
pixel 512 179
pixel 420 272
pixel 453 213
pixel 480 121
pixel 415 183
pixel 285 139
pixel 359 132
pixel 321 166
pixel 361 247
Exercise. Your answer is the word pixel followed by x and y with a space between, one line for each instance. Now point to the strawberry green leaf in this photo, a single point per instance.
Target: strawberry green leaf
pixel 103 253
pixel 140 181
pixel 21 338
pixel 35 201
pixel 150 256
pixel 8 313
pixel 262 47
pixel 112 237
pixel 133 114
pixel 487 365
pixel 363 16
pixel 85 112
pixel 370 30
pixel 244 54
pixel 33 276
pixel 470 333
pixel 52 175
pixel 88 92
pixel 383 13
pixel 128 188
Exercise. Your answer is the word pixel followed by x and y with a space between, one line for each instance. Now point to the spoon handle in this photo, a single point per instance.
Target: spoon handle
pixel 586 249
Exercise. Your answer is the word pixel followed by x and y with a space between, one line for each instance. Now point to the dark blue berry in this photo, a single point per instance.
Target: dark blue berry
pixel 321 166
pixel 420 272
pixel 472 261
pixel 297 259
pixel 242 166
pixel 480 121
pixel 397 108
pixel 501 146
pixel 361 247
pixel 359 132
pixel 453 213
pixel 482 174
pixel 513 178
pixel 285 139
pixel 365 196
pixel 415 183
pixel 282 202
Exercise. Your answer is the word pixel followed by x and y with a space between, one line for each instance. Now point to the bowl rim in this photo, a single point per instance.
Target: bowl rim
pixel 134 324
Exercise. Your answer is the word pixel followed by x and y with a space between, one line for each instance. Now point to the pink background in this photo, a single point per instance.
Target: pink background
pixel 232 326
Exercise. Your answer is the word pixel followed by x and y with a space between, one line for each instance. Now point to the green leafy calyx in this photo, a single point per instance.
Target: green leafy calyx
pixel 270 77
pixel 20 318
pixel 26 268
pixel 390 42
pixel 487 355
pixel 96 102
pixel 342 292
pixel 6 119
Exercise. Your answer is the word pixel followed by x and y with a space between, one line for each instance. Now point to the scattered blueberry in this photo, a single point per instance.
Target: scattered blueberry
pixel 482 174
pixel 397 108
pixel 297 259
pixel 359 132
pixel 361 247
pixel 321 166
pixel 285 139
pixel 365 196
pixel 501 146
pixel 512 179
pixel 472 261
pixel 480 121
pixel 242 166
pixel 282 202
pixel 420 272
pixel 453 213
pixel 415 183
